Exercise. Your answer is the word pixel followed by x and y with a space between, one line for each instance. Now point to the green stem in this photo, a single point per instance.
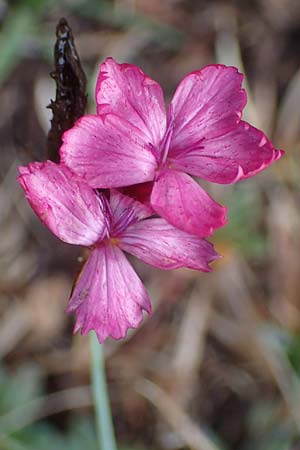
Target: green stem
pixel 105 430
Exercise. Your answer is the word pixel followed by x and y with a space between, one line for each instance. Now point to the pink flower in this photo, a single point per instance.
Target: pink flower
pixel 108 296
pixel 131 140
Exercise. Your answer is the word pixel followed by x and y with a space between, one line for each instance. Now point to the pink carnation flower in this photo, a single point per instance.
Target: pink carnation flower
pixel 108 296
pixel 132 140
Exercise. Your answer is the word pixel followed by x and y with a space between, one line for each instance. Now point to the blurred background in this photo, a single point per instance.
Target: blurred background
pixel 217 365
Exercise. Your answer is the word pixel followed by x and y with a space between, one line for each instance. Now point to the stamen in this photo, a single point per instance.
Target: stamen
pixel 165 143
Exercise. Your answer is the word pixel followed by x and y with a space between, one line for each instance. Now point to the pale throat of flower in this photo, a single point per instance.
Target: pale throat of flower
pixel 115 224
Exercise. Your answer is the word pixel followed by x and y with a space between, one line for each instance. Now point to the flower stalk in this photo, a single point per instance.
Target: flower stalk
pixel 104 424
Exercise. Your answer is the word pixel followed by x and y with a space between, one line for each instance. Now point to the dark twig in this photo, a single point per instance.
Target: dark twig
pixel 70 101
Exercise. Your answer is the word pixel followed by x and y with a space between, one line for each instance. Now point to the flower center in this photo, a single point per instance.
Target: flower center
pixel 114 241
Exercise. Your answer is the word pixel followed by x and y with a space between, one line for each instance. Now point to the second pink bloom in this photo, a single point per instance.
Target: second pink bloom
pixel 132 140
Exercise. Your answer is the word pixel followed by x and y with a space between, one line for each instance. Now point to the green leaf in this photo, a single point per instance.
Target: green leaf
pixel 245 212
pixel 20 25
pixel 80 434
pixel 16 389
pixel 293 352
pixel 17 26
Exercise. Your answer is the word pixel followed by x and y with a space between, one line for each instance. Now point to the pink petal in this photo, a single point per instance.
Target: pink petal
pixel 206 104
pixel 108 296
pixel 241 153
pixel 125 90
pixel 108 151
pixel 183 203
pixel 125 211
pixel 66 205
pixel 158 243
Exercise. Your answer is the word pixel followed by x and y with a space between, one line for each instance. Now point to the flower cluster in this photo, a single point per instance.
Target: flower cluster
pixel 125 183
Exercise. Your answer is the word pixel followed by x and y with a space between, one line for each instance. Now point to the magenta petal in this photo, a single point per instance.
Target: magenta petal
pixel 158 243
pixel 108 151
pixel 108 296
pixel 183 203
pixel 67 206
pixel 125 90
pixel 241 153
pixel 206 104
